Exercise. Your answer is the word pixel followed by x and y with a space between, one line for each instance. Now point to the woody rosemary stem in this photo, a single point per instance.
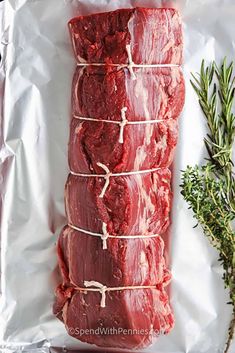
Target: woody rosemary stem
pixel 231 333
pixel 209 190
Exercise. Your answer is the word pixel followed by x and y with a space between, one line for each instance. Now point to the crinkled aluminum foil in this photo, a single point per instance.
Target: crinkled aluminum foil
pixel 38 65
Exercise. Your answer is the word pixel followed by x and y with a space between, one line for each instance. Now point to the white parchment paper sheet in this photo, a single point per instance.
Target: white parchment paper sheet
pixel 38 64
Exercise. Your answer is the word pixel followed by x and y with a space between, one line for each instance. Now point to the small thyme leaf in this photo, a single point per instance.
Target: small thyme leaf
pixel 210 190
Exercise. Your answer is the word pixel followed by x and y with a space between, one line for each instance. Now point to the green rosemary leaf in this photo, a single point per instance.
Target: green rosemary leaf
pixel 210 190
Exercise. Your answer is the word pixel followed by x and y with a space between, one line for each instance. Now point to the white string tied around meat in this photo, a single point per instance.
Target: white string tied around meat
pixel 131 65
pixel 106 177
pixel 127 65
pixel 109 174
pixel 105 235
pixel 102 289
pixel 122 123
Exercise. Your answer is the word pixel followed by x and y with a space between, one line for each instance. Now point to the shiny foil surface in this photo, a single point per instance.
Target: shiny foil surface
pixel 35 88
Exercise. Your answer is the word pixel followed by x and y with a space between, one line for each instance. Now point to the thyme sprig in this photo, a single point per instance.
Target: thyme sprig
pixel 210 190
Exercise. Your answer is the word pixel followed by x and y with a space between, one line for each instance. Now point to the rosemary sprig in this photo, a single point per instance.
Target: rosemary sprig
pixel 210 190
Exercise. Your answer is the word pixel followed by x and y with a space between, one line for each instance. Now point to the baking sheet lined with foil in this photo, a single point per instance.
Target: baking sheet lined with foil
pixel 38 65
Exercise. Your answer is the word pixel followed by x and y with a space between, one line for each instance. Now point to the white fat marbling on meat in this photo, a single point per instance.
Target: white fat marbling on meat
pixel 163 192
pixel 157 224
pixel 152 37
pixel 142 223
pixel 176 57
pixel 149 133
pixel 165 180
pixel 67 204
pixel 168 46
pixel 69 256
pixel 176 50
pixel 83 302
pixel 149 208
pixel 76 90
pixel 173 126
pixel 64 312
pixel 131 27
pixel 162 144
pixel 81 60
pixel 66 232
pixel 140 157
pixel 142 92
pixel 154 185
pixel 75 38
pixel 144 265
pixel 175 76
pixel 79 128
pixel 163 97
pixel 175 20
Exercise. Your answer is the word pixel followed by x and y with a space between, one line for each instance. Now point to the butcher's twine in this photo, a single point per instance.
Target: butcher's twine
pixel 130 64
pixel 109 174
pixel 105 235
pixel 121 123
pixel 99 287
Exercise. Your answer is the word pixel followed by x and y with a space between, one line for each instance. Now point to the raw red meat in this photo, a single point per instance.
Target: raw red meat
pixel 137 204
pixel 155 36
pixel 157 93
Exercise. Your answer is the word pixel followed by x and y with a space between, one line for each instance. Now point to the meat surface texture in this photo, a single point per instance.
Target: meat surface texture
pixel 128 71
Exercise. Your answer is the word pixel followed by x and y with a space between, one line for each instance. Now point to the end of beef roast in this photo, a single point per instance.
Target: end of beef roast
pixel 143 312
pixel 154 36
pixel 123 133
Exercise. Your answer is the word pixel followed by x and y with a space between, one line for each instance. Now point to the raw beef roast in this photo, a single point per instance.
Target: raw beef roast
pixel 127 94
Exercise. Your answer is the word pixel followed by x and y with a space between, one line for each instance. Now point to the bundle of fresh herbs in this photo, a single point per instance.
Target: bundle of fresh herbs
pixel 210 189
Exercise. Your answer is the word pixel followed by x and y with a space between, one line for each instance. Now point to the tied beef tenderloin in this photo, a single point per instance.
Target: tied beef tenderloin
pixel 108 88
